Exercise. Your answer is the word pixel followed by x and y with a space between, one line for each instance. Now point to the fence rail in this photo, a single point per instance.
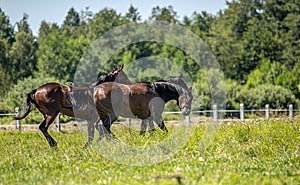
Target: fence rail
pixel 215 113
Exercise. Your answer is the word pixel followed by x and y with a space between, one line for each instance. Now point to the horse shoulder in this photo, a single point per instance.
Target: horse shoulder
pixel 99 93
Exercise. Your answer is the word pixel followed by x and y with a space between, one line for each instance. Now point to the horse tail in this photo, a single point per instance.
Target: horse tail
pixel 27 105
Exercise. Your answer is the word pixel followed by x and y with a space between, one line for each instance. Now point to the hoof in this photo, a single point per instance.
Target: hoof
pixel 86 145
pixel 54 147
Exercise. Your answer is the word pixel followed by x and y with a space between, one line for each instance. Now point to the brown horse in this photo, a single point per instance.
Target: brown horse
pixel 140 100
pixel 172 79
pixel 52 98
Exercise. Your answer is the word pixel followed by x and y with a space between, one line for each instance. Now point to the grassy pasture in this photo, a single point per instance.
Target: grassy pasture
pixel 258 152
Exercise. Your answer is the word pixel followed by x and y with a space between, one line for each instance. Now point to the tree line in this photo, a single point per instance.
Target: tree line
pixel 256 42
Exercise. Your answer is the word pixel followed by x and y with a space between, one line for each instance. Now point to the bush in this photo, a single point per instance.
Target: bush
pixel 232 90
pixel 275 96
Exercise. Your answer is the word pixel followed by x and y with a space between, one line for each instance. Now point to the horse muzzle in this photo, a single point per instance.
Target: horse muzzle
pixel 185 111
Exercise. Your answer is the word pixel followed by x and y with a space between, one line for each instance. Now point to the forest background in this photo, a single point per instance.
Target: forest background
pixel 256 42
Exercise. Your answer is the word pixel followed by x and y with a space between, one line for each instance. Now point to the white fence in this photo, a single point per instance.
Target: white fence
pixel 17 113
pixel 215 113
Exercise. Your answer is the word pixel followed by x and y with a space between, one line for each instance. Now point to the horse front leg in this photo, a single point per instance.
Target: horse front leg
pixel 143 127
pixel 100 128
pixel 160 122
pixel 110 119
pixel 91 133
pixel 145 123
pixel 151 125
pixel 44 128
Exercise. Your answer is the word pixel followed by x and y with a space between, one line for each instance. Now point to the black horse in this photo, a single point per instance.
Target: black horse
pixel 149 122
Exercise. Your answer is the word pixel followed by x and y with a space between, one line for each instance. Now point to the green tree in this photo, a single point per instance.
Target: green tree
pixel 71 24
pixel 72 19
pixel 44 30
pixel 133 15
pixel 6 31
pixel 59 55
pixel 6 39
pixel 200 23
pixel 225 45
pixel 164 14
pixel 22 54
pixel 104 21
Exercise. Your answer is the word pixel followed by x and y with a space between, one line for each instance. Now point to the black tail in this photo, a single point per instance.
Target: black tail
pixel 27 105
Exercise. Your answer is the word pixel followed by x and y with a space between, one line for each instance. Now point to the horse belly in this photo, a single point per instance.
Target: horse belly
pixel 138 107
pixel 67 112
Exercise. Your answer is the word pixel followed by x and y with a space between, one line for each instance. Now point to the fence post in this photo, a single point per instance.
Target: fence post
pixel 242 113
pixel 18 122
pixel 187 119
pixel 58 122
pixel 267 111
pixel 291 111
pixel 215 113
pixel 128 121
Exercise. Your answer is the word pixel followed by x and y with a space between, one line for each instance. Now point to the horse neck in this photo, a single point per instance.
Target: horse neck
pixel 178 81
pixel 102 80
pixel 168 91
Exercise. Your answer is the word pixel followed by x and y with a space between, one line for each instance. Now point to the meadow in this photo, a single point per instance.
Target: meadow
pixel 257 152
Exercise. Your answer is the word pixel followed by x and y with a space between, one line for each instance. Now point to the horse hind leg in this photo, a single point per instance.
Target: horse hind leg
pixel 44 128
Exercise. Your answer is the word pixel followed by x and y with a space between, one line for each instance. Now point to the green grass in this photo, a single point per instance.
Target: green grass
pixel 262 152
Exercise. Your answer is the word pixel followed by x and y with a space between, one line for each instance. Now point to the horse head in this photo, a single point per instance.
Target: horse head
pixel 111 76
pixel 185 101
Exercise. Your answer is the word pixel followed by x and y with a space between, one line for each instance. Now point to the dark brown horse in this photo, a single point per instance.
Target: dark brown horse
pixel 52 98
pixel 141 100
pixel 172 79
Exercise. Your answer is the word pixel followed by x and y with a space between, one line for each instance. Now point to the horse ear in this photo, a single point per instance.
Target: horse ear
pixel 121 66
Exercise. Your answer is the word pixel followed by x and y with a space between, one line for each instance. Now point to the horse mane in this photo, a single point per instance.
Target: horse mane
pixel 177 80
pixel 172 87
pixel 100 80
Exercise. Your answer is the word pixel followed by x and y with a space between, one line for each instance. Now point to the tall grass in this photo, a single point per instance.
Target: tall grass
pixel 259 152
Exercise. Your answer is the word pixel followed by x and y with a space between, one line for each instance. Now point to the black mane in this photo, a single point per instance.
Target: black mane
pixel 174 90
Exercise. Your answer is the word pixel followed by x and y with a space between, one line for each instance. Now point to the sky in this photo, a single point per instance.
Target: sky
pixel 56 10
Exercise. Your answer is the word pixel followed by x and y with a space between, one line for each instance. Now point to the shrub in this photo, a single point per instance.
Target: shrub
pixel 258 97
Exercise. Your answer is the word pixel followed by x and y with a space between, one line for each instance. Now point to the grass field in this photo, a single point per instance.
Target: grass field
pixel 260 152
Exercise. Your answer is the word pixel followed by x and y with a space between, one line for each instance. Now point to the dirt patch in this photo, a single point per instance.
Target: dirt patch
pixel 65 127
